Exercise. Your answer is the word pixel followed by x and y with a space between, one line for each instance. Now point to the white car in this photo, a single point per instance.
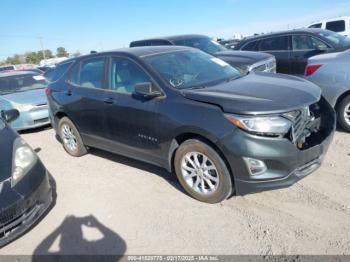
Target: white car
pixel 340 25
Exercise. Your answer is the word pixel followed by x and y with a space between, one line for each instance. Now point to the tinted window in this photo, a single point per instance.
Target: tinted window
pixel 150 43
pixel 89 74
pixel 21 83
pixel 336 26
pixel 125 74
pixel 250 46
pixel 274 43
pixel 54 74
pixel 190 69
pixel 205 44
pixel 319 25
pixel 306 42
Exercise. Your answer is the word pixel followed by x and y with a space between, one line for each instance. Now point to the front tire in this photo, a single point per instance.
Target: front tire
pixel 202 172
pixel 70 137
pixel 343 112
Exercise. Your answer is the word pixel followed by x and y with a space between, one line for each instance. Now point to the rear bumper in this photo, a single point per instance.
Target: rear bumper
pixel 24 213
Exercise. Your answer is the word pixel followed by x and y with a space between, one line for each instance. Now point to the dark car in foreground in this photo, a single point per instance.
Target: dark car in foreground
pixel 292 48
pixel 24 91
pixel 25 192
pixel 331 73
pixel 245 62
pixel 187 111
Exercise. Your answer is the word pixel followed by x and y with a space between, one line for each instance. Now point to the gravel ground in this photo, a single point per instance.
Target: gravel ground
pixel 110 204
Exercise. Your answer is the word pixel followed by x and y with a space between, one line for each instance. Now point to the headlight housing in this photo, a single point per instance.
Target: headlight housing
pixel 22 107
pixel 22 161
pixel 262 125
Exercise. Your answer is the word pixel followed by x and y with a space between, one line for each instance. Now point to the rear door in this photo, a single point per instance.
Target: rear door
pixel 304 47
pixel 131 120
pixel 84 95
pixel 279 47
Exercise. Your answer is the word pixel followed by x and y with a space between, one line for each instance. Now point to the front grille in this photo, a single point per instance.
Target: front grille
pixel 39 107
pixel 13 212
pixel 265 66
pixel 311 124
pixel 41 121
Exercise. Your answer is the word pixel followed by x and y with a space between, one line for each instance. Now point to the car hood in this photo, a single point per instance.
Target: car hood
pixel 258 93
pixel 7 137
pixel 32 97
pixel 244 57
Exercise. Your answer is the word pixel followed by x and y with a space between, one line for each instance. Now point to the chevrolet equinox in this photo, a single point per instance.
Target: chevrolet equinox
pixel 192 113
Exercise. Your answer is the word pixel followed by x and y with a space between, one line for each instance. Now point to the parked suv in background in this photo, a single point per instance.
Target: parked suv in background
pixel 292 48
pixel 185 110
pixel 245 62
pixel 331 73
pixel 340 25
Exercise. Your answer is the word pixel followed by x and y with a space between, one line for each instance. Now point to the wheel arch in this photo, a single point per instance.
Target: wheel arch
pixel 182 137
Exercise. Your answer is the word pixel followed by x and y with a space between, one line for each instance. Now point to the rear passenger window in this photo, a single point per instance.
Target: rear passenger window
pixel 125 74
pixel 89 74
pixel 336 26
pixel 279 43
pixel 306 42
pixel 250 46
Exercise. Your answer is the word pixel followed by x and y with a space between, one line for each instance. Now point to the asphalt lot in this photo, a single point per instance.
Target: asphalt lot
pixel 108 204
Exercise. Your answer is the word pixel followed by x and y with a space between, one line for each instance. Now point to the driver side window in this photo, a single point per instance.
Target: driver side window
pixel 125 74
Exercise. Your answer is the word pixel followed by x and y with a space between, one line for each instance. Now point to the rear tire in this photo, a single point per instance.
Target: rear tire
pixel 71 139
pixel 343 112
pixel 202 172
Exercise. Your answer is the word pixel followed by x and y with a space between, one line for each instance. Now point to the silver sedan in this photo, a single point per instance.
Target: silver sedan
pixel 24 91
pixel 331 72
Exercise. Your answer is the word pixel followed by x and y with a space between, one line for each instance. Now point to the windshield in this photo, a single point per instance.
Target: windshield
pixel 191 69
pixel 21 83
pixel 203 43
pixel 335 38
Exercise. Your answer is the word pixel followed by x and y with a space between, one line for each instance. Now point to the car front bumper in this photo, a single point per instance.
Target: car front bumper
pixel 37 117
pixel 286 163
pixel 24 205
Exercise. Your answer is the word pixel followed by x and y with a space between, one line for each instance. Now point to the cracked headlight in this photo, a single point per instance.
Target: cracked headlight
pixel 23 160
pixel 263 125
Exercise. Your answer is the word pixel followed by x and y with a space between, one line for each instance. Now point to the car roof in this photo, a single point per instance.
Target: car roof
pixel 140 51
pixel 16 73
pixel 174 37
pixel 297 31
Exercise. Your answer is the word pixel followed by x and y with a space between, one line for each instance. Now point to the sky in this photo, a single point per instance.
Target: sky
pixel 87 25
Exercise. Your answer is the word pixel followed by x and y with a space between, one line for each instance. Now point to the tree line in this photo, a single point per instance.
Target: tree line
pixel 36 57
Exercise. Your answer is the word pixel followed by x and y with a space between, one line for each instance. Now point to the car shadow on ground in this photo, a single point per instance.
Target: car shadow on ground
pixel 161 172
pixel 80 239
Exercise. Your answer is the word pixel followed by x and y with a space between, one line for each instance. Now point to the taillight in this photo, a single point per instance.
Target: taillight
pixel 310 69
pixel 47 91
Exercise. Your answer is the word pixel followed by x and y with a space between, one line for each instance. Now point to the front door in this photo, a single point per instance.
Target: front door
pixel 131 120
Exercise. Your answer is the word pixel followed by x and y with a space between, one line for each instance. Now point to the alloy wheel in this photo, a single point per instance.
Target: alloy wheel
pixel 200 173
pixel 69 138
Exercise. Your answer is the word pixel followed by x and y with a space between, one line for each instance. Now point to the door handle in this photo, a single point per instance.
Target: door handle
pixel 68 93
pixel 108 100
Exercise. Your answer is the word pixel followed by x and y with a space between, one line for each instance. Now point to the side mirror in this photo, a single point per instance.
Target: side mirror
pixel 322 48
pixel 146 90
pixel 10 115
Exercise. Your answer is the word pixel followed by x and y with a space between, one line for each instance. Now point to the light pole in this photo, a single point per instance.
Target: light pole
pixel 42 46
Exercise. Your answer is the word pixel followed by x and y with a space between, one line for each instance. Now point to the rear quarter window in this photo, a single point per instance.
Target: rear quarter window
pixel 336 26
